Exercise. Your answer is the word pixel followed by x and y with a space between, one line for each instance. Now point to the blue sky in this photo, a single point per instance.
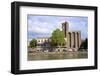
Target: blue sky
pixel 42 26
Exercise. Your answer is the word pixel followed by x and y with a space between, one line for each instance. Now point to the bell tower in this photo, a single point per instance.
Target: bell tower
pixel 65 27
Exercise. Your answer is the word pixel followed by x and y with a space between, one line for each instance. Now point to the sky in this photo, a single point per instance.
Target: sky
pixel 43 25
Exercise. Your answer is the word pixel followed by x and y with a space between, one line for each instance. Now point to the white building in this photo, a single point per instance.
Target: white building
pixel 43 41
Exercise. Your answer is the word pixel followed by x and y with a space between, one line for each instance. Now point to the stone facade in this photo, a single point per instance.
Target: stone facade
pixel 72 38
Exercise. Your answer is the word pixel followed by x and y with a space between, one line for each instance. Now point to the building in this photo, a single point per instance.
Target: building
pixel 72 38
pixel 43 41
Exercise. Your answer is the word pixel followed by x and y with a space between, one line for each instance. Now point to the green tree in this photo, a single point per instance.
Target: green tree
pixel 33 43
pixel 84 44
pixel 57 38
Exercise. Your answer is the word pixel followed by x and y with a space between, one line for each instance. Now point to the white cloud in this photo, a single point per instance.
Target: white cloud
pixel 41 27
pixel 36 27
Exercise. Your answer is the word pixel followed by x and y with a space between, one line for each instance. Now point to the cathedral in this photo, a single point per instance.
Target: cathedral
pixel 72 38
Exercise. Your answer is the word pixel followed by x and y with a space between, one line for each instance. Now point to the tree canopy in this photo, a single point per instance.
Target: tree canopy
pixel 57 38
pixel 33 43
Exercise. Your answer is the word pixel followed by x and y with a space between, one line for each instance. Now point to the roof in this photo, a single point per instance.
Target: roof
pixel 43 37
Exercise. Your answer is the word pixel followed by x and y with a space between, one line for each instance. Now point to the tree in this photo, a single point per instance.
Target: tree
pixel 84 44
pixel 57 38
pixel 33 43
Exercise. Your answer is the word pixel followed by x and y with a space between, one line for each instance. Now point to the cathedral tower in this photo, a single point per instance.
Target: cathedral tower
pixel 65 27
